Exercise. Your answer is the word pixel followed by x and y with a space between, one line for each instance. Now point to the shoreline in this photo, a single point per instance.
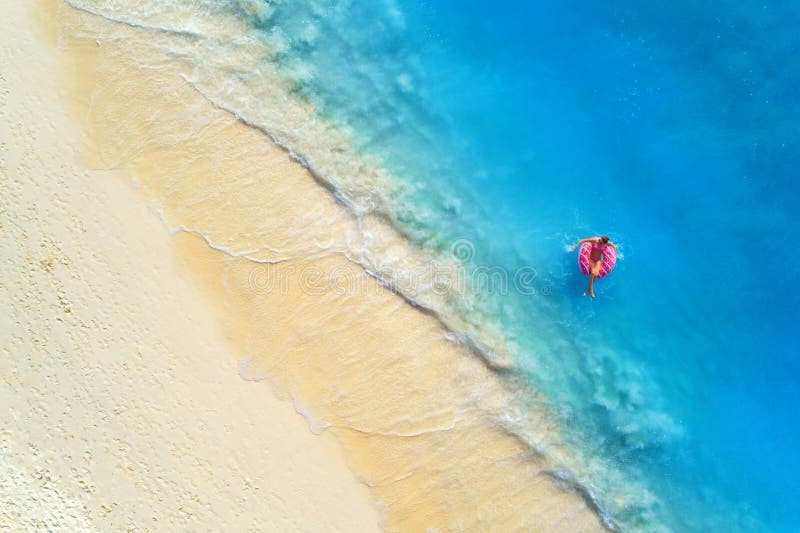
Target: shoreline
pixel 298 340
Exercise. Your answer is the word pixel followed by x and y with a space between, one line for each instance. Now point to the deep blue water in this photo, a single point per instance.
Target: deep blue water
pixel 673 127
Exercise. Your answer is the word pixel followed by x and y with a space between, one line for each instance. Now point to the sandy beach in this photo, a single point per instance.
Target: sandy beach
pixel 181 353
pixel 122 405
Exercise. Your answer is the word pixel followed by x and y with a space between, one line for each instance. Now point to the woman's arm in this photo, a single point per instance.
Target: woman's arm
pixel 590 239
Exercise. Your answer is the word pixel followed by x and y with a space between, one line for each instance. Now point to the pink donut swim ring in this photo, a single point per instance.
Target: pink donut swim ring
pixel 609 259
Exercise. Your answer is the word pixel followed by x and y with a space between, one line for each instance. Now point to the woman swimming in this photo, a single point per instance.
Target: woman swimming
pixel 596 255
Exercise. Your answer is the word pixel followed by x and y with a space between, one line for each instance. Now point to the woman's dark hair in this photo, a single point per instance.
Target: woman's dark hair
pixel 604 239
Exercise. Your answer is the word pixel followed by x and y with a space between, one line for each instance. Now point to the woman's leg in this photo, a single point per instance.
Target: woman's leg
pixel 589 288
pixel 593 272
pixel 592 275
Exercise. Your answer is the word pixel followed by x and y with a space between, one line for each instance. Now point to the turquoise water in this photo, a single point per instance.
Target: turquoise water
pixel 671 127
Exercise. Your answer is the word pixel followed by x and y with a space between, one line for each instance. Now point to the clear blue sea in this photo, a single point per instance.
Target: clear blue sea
pixel 672 127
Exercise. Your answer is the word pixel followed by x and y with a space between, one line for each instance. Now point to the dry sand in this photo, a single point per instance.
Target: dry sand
pixel 121 404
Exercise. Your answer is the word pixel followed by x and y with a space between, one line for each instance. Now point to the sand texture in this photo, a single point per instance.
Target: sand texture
pixel 122 408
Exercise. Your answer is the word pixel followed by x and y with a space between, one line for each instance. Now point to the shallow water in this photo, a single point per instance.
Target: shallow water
pixel 501 135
